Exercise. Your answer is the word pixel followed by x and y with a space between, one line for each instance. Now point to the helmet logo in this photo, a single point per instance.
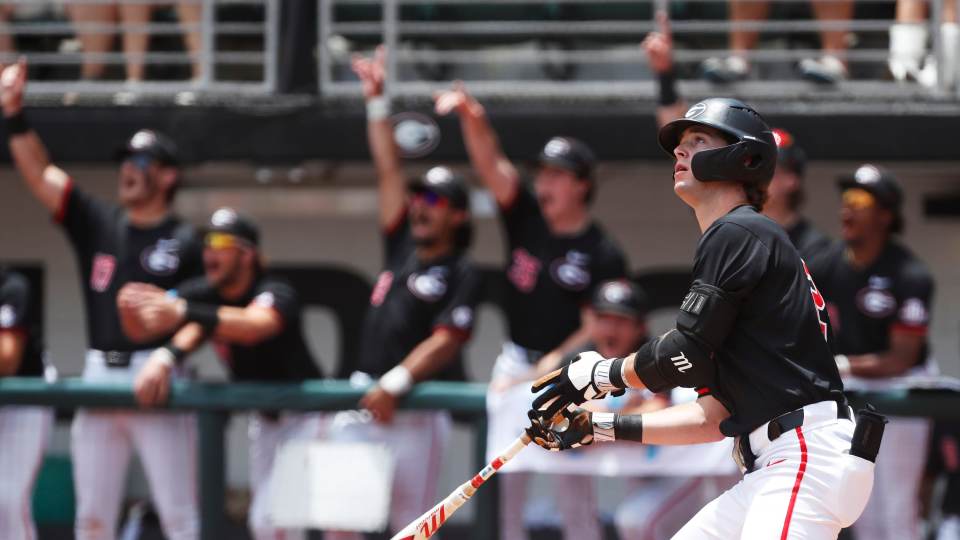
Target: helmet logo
pixel 867 174
pixel 556 147
pixel 696 110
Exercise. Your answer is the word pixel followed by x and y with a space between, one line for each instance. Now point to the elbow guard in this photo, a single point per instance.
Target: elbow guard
pixel 685 356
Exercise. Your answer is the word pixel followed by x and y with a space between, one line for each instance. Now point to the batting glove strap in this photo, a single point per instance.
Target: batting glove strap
pixel 605 375
pixel 603 426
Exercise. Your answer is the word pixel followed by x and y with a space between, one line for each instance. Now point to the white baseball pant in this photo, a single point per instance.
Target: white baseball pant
pixel 24 432
pixel 101 445
pixel 893 510
pixel 805 485
pixel 266 436
pixel 418 441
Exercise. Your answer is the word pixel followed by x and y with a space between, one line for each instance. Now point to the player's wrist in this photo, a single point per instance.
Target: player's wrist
pixel 628 427
pixel 206 315
pixel 397 382
pixel 165 357
pixel 604 429
pixel 15 122
pixel 608 375
pixel 378 108
pixel 668 94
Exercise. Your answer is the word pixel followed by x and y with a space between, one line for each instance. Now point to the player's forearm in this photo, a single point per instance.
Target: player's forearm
pixel 12 345
pixel 879 365
pixel 45 181
pixel 426 359
pixel 245 326
pixel 188 338
pixel 386 160
pixel 687 423
pixel 483 146
pixel 574 341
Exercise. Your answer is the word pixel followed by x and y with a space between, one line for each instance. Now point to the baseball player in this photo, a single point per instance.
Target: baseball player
pixel 556 256
pixel 254 322
pixel 879 297
pixel 421 310
pixel 24 430
pixel 943 460
pixel 137 240
pixel 785 194
pixel 751 337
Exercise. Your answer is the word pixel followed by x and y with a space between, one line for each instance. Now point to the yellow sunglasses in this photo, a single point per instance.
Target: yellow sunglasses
pixel 858 199
pixel 219 240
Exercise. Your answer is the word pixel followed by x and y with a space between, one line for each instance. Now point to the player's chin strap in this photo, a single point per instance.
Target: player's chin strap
pixel 740 162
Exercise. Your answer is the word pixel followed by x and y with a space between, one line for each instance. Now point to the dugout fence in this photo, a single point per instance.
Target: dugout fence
pixel 215 402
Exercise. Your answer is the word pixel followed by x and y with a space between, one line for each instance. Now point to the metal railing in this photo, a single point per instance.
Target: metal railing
pixel 57 49
pixel 215 402
pixel 547 53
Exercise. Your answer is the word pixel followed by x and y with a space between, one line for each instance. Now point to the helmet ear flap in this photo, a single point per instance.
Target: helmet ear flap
pixel 745 161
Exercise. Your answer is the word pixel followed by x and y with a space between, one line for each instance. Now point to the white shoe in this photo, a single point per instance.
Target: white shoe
pixel 725 70
pixel 827 69
pixel 908 45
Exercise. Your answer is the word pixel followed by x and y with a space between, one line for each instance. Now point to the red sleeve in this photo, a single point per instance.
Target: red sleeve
pixel 61 213
pixel 459 334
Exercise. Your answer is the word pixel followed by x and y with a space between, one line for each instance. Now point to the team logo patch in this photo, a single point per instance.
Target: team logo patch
pixel 462 316
pixel 696 110
pixel 380 289
pixel 570 272
pixel 223 217
pixel 429 286
pixel 416 135
pixel 8 317
pixel 877 303
pixel 101 271
pixel 265 299
pixel 557 147
pixel 162 258
pixel 523 270
pixel 913 312
pixel 867 174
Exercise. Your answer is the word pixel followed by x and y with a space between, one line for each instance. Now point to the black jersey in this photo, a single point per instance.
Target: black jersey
pixel 776 357
pixel 285 356
pixel 895 292
pixel 551 277
pixel 809 241
pixel 411 300
pixel 111 252
pixel 15 317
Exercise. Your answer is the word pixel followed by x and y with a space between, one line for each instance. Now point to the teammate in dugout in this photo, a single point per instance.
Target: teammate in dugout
pixel 24 430
pixel 138 240
pixel 556 255
pixel 254 322
pixel 785 194
pixel 751 337
pixel 421 311
pixel 879 297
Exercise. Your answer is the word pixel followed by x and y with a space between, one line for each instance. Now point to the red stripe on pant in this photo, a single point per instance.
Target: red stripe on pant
pixel 796 484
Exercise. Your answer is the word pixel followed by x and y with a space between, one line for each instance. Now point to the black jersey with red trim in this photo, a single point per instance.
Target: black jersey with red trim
pixel 551 277
pixel 776 357
pixel 895 292
pixel 112 252
pixel 809 241
pixel 283 357
pixel 411 300
pixel 15 317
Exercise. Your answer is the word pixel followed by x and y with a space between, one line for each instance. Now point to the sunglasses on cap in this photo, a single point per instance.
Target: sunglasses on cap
pixel 431 199
pixel 858 199
pixel 140 161
pixel 219 240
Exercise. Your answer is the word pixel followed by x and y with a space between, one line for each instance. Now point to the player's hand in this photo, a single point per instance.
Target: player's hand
pixel 456 99
pixel 659 45
pixel 380 403
pixel 575 432
pixel 371 71
pixel 146 311
pixel 585 378
pixel 13 81
pixel 152 384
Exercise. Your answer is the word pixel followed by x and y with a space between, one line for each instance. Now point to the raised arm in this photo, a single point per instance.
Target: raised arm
pixel 659 49
pixel 383 148
pixel 490 163
pixel 46 181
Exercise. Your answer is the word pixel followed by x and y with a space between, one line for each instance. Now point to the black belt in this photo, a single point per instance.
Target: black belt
pixel 117 359
pixel 777 427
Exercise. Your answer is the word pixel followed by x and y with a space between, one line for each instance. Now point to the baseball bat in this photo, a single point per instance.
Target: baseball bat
pixel 426 525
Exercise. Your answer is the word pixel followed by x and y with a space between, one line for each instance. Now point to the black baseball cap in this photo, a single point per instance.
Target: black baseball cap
pixel 789 155
pixel 621 297
pixel 569 154
pixel 882 184
pixel 151 143
pixel 227 221
pixel 444 182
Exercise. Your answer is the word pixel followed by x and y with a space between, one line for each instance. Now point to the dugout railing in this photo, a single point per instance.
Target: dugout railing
pixel 215 402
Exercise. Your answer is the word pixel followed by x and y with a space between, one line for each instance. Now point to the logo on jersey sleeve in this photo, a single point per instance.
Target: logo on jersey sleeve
pixel 380 289
pixel 429 286
pixel 162 258
pixel 914 312
pixel 523 271
pixel 571 272
pixel 8 317
pixel 462 317
pixel 818 302
pixel 101 271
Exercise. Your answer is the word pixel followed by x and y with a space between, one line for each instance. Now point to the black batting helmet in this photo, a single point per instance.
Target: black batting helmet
pixel 751 156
